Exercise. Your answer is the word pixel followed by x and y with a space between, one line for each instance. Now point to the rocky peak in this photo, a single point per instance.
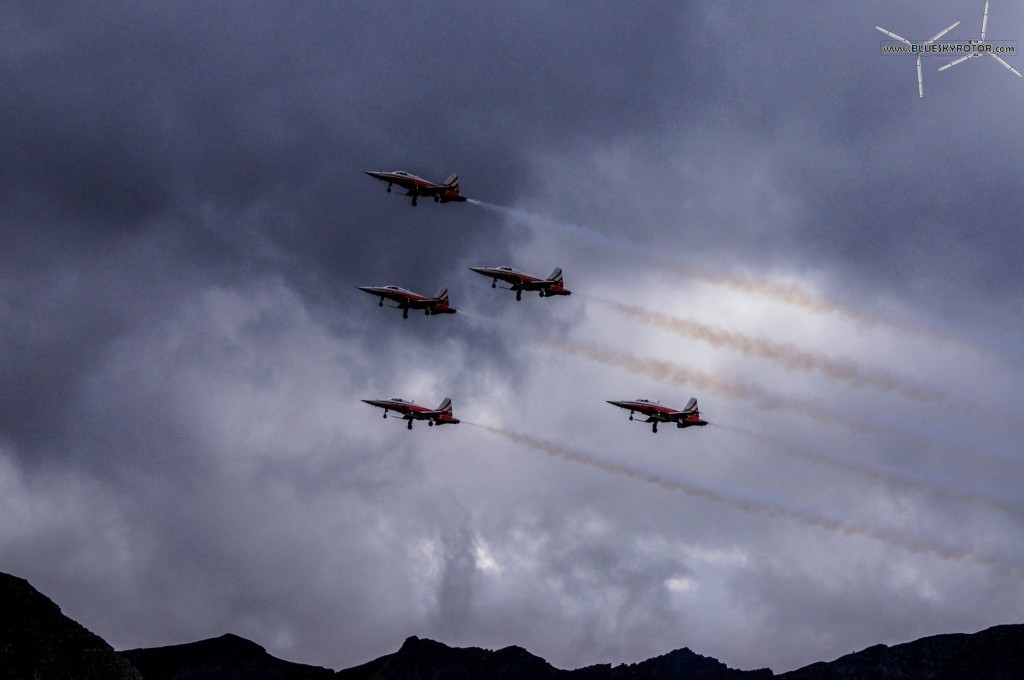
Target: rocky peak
pixel 38 641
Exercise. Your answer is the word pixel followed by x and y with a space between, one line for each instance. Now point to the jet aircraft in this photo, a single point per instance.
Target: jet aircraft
pixel 442 415
pixel 407 299
pixel 518 281
pixel 656 413
pixel 417 186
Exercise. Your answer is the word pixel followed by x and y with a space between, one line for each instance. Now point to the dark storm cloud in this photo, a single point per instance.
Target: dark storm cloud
pixel 141 117
pixel 182 345
pixel 923 201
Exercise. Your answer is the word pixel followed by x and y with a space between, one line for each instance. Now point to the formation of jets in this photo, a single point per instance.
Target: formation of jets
pixel 552 286
pixel 417 186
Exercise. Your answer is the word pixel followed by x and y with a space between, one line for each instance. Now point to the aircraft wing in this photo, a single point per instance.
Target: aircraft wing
pixel 428 414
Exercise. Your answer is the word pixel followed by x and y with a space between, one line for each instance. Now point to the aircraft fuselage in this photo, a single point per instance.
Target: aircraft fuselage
pixel 656 413
pixel 407 299
pixel 409 411
pixel 520 281
pixel 414 186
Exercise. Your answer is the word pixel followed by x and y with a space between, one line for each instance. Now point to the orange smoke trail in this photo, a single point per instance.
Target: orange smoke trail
pixel 790 356
pixel 786 355
pixel 668 371
pixel 750 505
pixel 785 293
pixel 677 374
pixel 878 473
pixel 799 297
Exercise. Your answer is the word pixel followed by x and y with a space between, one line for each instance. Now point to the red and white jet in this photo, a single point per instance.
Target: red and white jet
pixel 407 299
pixel 442 415
pixel 518 281
pixel 417 186
pixel 656 413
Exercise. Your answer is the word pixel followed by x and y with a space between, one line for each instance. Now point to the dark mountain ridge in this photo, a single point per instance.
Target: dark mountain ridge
pixel 996 652
pixel 37 641
pixel 227 656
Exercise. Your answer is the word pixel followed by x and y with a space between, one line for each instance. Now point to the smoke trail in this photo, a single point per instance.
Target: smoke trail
pixel 786 293
pixel 592 235
pixel 668 371
pixel 804 516
pixel 792 357
pixel 879 473
pixel 784 354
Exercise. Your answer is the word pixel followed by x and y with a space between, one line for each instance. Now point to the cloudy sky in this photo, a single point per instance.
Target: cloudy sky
pixel 751 205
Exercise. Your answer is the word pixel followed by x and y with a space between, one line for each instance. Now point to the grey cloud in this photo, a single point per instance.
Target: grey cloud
pixel 182 348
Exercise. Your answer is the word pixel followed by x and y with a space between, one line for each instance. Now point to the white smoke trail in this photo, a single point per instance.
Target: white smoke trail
pixel 677 374
pixel 804 516
pixel 790 356
pixel 786 355
pixel 786 293
pixel 667 371
pixel 880 473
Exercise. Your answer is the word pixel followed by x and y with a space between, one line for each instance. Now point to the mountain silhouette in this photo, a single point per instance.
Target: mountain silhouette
pixel 224 658
pixel 38 642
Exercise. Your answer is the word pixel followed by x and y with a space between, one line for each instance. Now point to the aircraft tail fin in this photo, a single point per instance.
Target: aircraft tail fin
pixel 446 406
pixel 452 181
pixel 556 275
pixel 442 295
pixel 691 405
